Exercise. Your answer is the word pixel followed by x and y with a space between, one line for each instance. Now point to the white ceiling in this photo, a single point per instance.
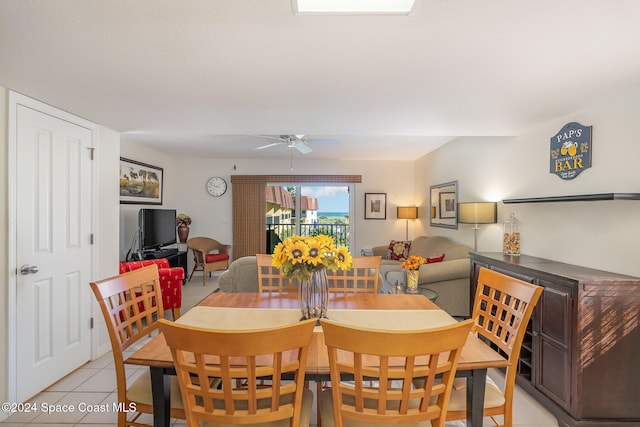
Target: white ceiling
pixel 203 77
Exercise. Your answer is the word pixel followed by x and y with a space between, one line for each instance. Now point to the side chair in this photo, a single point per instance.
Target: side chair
pixel 383 365
pixel 361 278
pixel 220 373
pixel 270 278
pixel 131 306
pixel 502 309
pixel 209 255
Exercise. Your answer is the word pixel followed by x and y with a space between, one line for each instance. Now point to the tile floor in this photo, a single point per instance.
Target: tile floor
pixel 94 384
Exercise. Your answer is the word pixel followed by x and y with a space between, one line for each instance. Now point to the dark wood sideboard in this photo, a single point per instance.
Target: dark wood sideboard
pixel 581 354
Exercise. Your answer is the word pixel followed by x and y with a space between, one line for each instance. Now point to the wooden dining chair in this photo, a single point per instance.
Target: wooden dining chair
pixel 502 309
pixel 226 358
pixel 270 278
pixel 131 306
pixel 209 255
pixel 383 365
pixel 361 278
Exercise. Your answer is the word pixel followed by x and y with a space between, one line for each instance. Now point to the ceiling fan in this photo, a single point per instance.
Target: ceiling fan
pixel 299 142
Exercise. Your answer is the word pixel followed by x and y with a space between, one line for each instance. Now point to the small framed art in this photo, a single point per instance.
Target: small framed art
pixel 140 183
pixel 444 205
pixel 375 206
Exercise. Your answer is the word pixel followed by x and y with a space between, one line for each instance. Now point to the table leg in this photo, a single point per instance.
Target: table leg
pixel 476 383
pixel 161 392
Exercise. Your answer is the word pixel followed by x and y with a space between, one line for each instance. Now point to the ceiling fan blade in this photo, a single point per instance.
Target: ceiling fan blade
pixel 268 145
pixel 322 141
pixel 302 147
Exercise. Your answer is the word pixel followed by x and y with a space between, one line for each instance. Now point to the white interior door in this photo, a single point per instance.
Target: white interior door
pixel 53 249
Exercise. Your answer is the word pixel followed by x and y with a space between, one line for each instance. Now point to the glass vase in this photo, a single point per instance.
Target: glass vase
pixel 313 295
pixel 511 239
pixel 412 281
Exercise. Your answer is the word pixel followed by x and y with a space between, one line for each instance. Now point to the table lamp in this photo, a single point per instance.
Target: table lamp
pixel 407 212
pixel 477 213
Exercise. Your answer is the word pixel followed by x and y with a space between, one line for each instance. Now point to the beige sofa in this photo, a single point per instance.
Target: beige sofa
pixel 449 278
pixel 242 276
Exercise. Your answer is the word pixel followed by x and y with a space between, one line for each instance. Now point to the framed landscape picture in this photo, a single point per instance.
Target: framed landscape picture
pixel 140 183
pixel 375 206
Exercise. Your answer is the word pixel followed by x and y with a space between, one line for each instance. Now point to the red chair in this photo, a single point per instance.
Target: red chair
pixel 171 281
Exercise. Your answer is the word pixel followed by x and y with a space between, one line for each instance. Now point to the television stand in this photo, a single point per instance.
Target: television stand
pixel 176 258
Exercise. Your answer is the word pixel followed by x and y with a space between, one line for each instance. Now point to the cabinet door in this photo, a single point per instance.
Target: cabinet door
pixel 552 341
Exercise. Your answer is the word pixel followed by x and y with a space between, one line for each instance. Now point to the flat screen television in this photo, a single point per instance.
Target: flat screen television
pixel 157 228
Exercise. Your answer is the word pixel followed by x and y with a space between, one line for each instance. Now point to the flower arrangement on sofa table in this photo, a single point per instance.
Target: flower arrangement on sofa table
pixel 413 262
pixel 412 266
pixel 299 256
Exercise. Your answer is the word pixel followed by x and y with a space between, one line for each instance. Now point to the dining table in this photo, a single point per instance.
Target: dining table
pixel 238 311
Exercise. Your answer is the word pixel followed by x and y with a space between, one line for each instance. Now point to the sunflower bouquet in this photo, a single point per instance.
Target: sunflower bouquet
pixel 298 256
pixel 413 262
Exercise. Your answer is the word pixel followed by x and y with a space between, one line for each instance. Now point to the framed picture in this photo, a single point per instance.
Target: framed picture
pixel 140 183
pixel 444 205
pixel 447 205
pixel 375 205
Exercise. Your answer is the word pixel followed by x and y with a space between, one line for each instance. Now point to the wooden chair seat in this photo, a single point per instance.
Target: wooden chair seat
pixel 140 391
pixel 493 396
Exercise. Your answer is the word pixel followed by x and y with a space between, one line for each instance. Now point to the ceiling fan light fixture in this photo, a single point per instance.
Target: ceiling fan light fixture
pixel 355 7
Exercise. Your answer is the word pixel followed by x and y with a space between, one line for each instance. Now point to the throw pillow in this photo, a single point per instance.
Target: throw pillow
pixel 398 250
pixel 435 259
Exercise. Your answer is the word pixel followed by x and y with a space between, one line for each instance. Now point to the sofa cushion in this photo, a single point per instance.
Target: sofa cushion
pixel 398 250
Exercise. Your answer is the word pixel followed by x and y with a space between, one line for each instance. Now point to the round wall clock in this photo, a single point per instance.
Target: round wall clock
pixel 216 186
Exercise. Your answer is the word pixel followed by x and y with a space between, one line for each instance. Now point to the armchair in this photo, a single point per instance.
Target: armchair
pixel 171 281
pixel 209 255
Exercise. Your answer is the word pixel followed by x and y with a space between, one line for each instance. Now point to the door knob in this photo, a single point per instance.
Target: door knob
pixel 29 269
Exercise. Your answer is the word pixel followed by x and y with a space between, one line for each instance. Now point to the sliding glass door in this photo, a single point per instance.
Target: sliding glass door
pixel 309 209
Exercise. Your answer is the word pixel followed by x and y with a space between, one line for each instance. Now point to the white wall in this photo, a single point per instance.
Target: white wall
pixel 603 235
pixel 185 190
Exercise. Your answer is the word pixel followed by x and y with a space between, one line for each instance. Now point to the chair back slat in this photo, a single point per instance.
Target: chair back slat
pixel 219 372
pixel 384 365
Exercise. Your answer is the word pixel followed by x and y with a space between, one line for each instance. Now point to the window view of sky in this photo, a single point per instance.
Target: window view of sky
pixel 330 199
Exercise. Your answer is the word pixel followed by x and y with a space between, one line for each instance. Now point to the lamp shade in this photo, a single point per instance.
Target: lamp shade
pixel 407 212
pixel 478 213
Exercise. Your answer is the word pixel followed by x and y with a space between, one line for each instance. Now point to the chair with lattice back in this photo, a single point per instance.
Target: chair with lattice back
pixel 231 363
pixel 362 277
pixel 502 308
pixel 131 306
pixel 383 365
pixel 270 278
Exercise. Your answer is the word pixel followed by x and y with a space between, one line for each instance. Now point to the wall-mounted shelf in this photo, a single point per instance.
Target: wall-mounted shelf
pixel 576 198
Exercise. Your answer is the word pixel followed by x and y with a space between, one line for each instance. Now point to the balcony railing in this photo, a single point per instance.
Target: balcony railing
pixel 278 232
